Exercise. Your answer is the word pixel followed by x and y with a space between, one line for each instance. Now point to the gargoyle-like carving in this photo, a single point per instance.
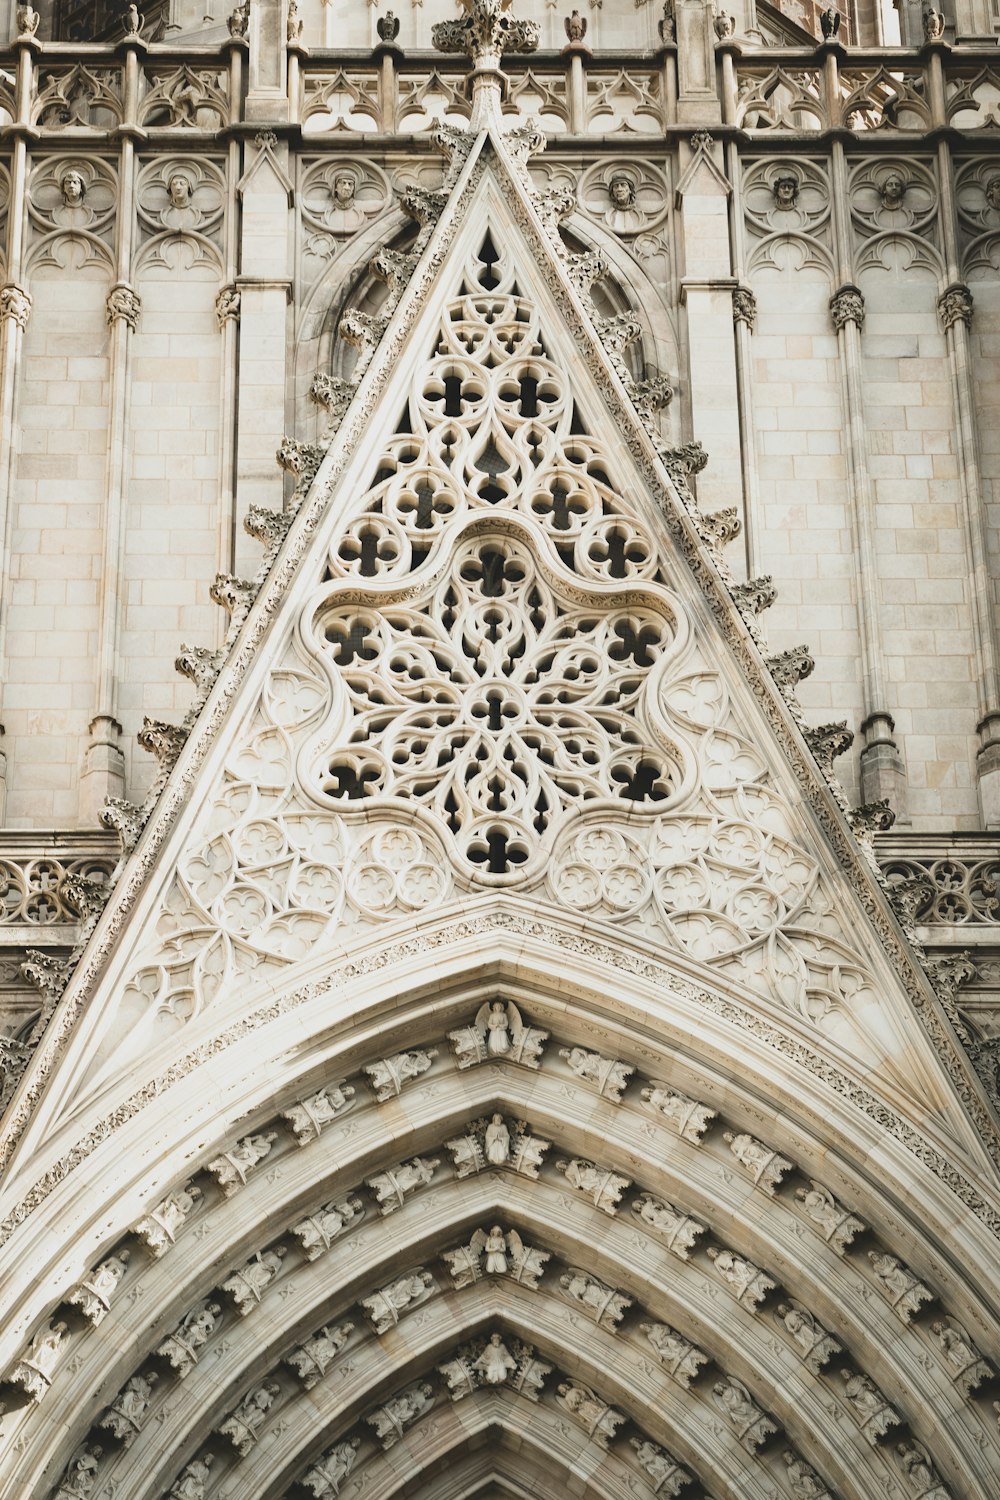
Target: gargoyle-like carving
pixel 242 1427
pixel 498 1143
pixel 685 1116
pixel 602 1187
pixel 247 1285
pixel 234 1166
pixel 584 270
pixel 827 741
pixel 498 1034
pixel 872 1411
pixel 125 304
pixel 606 1306
pixel 93 1296
pixel 180 1350
pixel 385 1308
pixel 228 305
pixel 922 1479
pixel 391 1188
pixel 334 395
pixel 599 1420
pixel 681 1359
pixel 200 664
pixel 165 741
pixel 192 1483
pixel 309 1116
pixel 328 1473
pixel 746 1282
pixel 390 1421
pixel 817 1347
pixel 678 1232
pixel 311 1360
pixel 756 595
pixel 905 1293
pixel 724 26
pixel 158 1230
pixel 388 1075
pixel 496 1253
pixel 124 1417
pixel 553 206
pixel 124 819
pixel 317 1233
pixel 838 1227
pixel 423 205
pixel 871 818
pixel 804 1482
pixel 719 527
pixel 765 1166
pixel 791 667
pixel 963 1360
pixel 302 460
pixel 665 1473
pixel 34 1370
pixel 15 303
pixel 49 975
pixel 682 463
pixel 269 527
pixel 933 23
pixel 610 1078
pixel 82 1473
pixel 490 1362
pixel 751 1425
pixel 393 267
pixel 235 595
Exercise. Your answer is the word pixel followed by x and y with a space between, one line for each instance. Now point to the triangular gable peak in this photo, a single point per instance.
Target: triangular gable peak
pixel 481 670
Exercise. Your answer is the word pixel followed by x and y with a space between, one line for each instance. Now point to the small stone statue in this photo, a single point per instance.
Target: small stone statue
pixel 678 1231
pixel 81 1473
pixel 606 1306
pixel 324 1479
pixel 805 1482
pixel 818 1347
pixel 93 1296
pixel 872 1411
pixel 498 1034
pixel 33 1371
pixel 387 27
pixel 765 1166
pixel 921 1476
pixel 308 1117
pixel 747 1282
pixel 124 1417
pixel 667 1476
pixel 934 23
pixel 27 20
pixel 965 1363
pixel 599 1420
pixel 392 1188
pixel 311 1360
pixel 905 1293
pixel 385 1308
pixel 238 21
pixel 686 1116
pixel 243 1425
pixel 602 1187
pixel 193 1332
pixel 839 1228
pixel 681 1360
pixel 294 23
pixel 160 1226
pixel 317 1233
pixel 498 1143
pixel 496 1361
pixel 388 1076
pixel 505 1255
pixel 248 1285
pixel 496 1140
pixel 576 28
pixel 750 1424
pixel 192 1482
pixel 132 21
pixel 829 23
pixel 233 1167
pixel 609 1078
pixel 390 1421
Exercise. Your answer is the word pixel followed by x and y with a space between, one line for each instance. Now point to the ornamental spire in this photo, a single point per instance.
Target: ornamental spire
pixel 485 32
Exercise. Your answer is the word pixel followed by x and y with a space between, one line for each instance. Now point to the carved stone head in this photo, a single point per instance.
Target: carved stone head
pixel 179 190
pixel 73 188
pixel 992 191
pixel 786 190
pixel 621 190
pixel 345 185
pixel 892 190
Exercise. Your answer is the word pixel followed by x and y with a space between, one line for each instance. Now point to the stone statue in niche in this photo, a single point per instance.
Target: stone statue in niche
pixel 33 1371
pixel 324 1479
pixel 603 1188
pixel 248 1285
pixel 124 1416
pixel 191 1485
pixel 746 1282
pixel 677 1230
pixel 905 1293
pixel 608 1076
pixel 242 1427
pixel 341 198
pixel 160 1226
pixel 93 1296
pixel 626 197
pixel 606 1306
pixel 681 1359
pixel 194 1331
pixel 232 1169
pixel 599 1420
pixel 668 1478
pixel 391 1188
pixel 388 1076
pixel 817 1347
pixel 181 195
pixel 838 1227
pixel 309 1116
pixel 385 1308
pixel 317 1233
pixel 965 1363
pixel 390 1421
pixel 498 1143
pixel 749 1423
pixel 81 1473
pixel 496 1253
pixel 498 1034
pixel 73 188
pixel 689 1118
pixel 311 1360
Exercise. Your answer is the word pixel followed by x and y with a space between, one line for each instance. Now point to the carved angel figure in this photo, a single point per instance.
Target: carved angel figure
pixel 686 1116
pixel 243 1425
pixel 599 1420
pixel 317 1233
pixel 921 1475
pixel 385 1308
pixel 667 1476
pixel 609 1078
pixel 81 1473
pixel 805 1482
pixel 93 1296
pixel 747 1282
pixel 400 1412
pixel 839 1228
pixel 677 1230
pixel 818 1347
pixel 194 1331
pixel 505 1255
pixel 123 1418
pixel 743 1414
pixel 308 1117
pixel 388 1075
pixel 765 1166
pixel 681 1360
pixel 33 1371
pixel 192 1482
pixel 965 1363
pixel 498 1034
pixel 496 1143
pixel 872 1411
pixel 248 1285
pixel 327 1475
pixel 606 1306
pixel 311 1360
pixel 496 1361
pixel 905 1293
pixel 602 1187
pixel 392 1188
pixel 233 1167
pixel 159 1228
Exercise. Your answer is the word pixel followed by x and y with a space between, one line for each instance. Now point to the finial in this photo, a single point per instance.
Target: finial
pixel 484 33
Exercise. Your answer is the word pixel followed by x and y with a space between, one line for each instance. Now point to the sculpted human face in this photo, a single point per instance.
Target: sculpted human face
pixel 992 191
pixel 344 188
pixel 893 189
pixel 786 190
pixel 180 191
pixel 73 189
pixel 622 192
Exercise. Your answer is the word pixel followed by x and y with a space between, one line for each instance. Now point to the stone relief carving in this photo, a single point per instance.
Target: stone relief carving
pixel 186 99
pixel 817 1347
pixel 610 1078
pixel 389 1422
pixel 963 1360
pixel 181 196
pixel 385 1308
pixel 490 1362
pixel 765 1166
pixel 247 1286
pixel 73 194
pixel 324 1479
pixel 180 1350
pixel 838 1227
pixel 309 1116
pixel 685 1116
pixel 311 1360
pixel 804 1482
pixel 317 1233
pixel 158 1230
pixel 751 1425
pixel 242 1426
pixel 388 1076
pixel 498 1142
pixel 82 1473
pixel 498 1034
pixel 94 1295
pixel 922 1479
pixel 337 199
pixel 192 1483
pixel 495 1252
pixel 124 1417
pixel 232 1169
pixel 681 1359
pixel 599 1420
pixel 665 1473
pixel 34 1370
pixel 872 1411
pixel 745 1281
pixel 629 197
pixel 786 204
pixel 606 1306
pixel 392 1188
pixel 677 1231
pixel 603 1188
pixel 79 96
pixel 905 1293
